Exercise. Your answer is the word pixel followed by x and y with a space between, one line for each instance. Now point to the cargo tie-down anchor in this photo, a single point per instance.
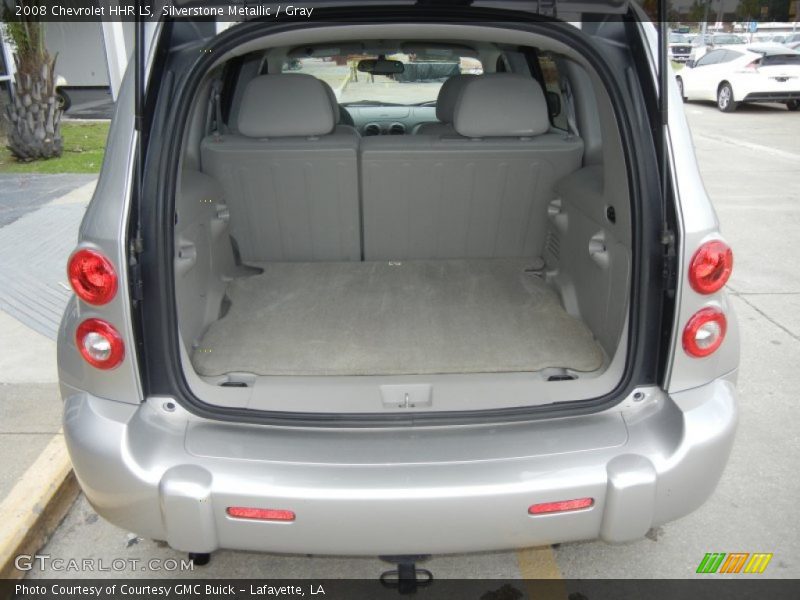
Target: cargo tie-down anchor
pixel 407 577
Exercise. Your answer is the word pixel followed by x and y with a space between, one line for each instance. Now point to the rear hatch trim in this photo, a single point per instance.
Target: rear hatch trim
pixel 160 349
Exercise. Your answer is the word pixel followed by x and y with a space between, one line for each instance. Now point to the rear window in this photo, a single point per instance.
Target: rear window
pixel 418 84
pixel 776 60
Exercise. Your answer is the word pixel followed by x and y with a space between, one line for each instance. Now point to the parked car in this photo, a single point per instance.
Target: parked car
pixel 757 73
pixel 704 43
pixel 792 41
pixel 61 93
pixel 506 329
pixel 680 48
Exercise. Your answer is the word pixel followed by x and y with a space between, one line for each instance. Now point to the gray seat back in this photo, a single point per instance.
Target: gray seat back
pixel 445 107
pixel 482 193
pixel 290 176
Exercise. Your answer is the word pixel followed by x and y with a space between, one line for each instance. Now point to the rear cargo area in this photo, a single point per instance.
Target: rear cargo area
pixel 394 318
pixel 479 261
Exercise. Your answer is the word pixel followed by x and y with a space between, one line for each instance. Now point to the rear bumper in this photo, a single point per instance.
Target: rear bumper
pixel 167 475
pixel 782 96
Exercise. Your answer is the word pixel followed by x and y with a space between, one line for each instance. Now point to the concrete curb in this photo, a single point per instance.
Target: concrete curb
pixel 35 506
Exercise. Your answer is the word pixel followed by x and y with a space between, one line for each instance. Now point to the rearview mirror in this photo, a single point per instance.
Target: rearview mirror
pixel 381 66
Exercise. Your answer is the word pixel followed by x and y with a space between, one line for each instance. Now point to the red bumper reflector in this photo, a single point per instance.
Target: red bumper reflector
pixel 562 506
pixel 260 514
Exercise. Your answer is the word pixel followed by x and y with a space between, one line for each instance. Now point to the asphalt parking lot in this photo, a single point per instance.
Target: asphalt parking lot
pixel 751 166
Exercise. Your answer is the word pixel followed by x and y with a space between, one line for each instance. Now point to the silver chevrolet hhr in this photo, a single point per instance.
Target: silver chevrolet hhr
pixel 399 279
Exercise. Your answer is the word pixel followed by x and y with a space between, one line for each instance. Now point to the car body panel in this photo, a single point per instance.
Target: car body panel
pixel 150 469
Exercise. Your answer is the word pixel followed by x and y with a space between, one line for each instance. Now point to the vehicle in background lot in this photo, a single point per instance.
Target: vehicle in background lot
pixel 757 73
pixel 680 48
pixel 61 93
pixel 792 41
pixel 702 44
pixel 496 321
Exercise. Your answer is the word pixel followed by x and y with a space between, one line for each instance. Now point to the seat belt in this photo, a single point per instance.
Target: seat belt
pixel 214 113
pixel 569 100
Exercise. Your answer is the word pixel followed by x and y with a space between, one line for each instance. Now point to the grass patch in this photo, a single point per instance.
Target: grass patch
pixel 84 147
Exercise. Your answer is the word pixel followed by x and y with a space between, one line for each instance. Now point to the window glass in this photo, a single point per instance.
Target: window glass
pixel 710 58
pixel 731 55
pixel 776 60
pixel 418 84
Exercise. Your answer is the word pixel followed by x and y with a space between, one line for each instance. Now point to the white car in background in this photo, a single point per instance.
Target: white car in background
pixel 702 44
pixel 766 73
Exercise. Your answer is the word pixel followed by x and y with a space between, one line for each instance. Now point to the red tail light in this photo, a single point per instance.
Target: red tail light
pixel 704 332
pixel 561 506
pixel 92 276
pixel 100 344
pixel 260 514
pixel 711 267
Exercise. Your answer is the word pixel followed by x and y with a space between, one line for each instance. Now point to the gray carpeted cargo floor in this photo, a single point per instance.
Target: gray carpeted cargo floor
pixel 438 316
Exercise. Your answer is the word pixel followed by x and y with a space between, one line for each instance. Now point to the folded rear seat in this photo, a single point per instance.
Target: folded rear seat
pixel 290 175
pixel 481 193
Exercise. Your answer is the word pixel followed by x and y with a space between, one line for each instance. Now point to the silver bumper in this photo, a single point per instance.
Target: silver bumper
pixel 168 475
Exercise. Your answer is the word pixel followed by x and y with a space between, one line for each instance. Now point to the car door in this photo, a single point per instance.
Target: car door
pixel 696 80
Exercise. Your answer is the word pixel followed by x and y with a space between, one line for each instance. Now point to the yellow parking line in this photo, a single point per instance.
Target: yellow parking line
pixel 543 578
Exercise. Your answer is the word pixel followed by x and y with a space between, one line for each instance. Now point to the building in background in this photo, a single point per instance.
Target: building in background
pixel 90 55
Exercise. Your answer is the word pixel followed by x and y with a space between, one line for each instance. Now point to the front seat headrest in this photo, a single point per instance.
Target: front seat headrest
pixel 501 105
pixel 285 105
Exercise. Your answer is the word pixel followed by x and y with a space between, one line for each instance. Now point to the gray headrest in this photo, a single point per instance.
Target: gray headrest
pixel 334 102
pixel 448 96
pixel 501 105
pixel 284 106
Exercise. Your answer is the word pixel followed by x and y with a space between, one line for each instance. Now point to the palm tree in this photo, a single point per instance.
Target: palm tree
pixel 34 114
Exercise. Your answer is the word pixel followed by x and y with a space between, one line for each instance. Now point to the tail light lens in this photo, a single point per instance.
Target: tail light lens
pixel 260 514
pixel 704 332
pixel 547 508
pixel 92 276
pixel 100 344
pixel 711 267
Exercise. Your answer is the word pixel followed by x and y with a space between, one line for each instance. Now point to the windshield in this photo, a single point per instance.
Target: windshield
pixel 727 39
pixel 419 82
pixel 677 38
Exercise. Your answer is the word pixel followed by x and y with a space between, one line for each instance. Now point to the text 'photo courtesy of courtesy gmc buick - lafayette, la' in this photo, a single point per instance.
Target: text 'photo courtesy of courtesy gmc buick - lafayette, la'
pixel 399 279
